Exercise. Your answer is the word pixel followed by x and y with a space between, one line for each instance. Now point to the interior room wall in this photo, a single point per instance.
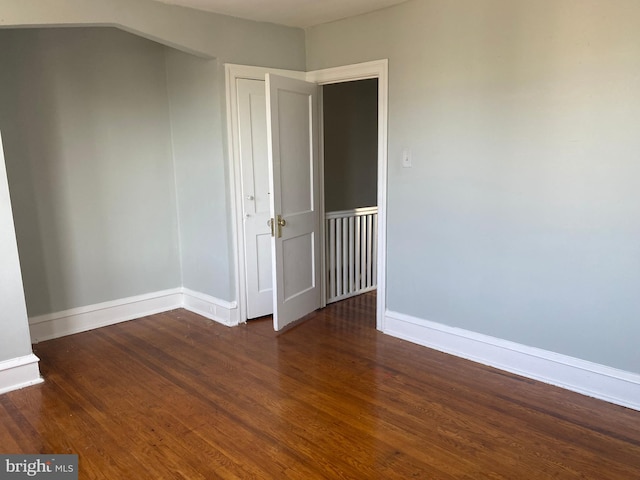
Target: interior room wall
pixel 350 118
pixel 200 165
pixel 215 37
pixel 520 218
pixel 85 119
pixel 14 341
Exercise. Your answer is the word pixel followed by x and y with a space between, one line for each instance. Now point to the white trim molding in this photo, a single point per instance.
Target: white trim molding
pixel 19 373
pixel 210 307
pixel 76 320
pixel 594 380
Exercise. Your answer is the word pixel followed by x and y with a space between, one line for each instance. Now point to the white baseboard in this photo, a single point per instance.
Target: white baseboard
pixel 76 320
pixel 19 372
pixel 591 379
pixel 210 307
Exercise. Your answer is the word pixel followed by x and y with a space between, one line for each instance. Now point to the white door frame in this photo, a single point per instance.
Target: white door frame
pixel 361 71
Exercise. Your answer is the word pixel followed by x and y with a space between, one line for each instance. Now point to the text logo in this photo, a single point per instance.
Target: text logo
pixel 50 467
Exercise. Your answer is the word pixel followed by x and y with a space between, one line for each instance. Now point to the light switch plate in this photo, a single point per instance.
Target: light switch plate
pixel 406 158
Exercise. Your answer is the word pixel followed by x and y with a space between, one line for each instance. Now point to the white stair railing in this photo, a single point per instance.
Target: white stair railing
pixel 351 252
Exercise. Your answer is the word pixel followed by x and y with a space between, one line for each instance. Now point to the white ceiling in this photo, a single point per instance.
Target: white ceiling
pixel 294 13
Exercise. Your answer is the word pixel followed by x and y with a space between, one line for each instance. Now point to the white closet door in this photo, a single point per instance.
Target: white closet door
pixel 252 117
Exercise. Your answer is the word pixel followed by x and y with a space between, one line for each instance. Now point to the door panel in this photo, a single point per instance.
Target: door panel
pixel 299 275
pixel 292 112
pixel 256 201
pixel 265 271
pixel 295 131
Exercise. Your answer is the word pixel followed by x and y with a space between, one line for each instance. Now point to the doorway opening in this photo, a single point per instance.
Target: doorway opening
pixel 350 152
pixel 242 194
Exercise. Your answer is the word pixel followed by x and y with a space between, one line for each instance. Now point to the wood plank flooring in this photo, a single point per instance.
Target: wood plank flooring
pixel 175 396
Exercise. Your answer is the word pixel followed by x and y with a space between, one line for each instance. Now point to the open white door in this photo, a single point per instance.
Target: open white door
pixel 292 124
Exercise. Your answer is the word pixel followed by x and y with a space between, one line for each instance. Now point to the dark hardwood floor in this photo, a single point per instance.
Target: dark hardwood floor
pixel 177 396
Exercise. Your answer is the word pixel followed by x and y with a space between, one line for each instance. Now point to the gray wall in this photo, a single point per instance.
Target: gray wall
pixel 77 229
pixel 14 341
pixel 200 169
pixel 520 218
pixel 87 141
pixel 350 112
